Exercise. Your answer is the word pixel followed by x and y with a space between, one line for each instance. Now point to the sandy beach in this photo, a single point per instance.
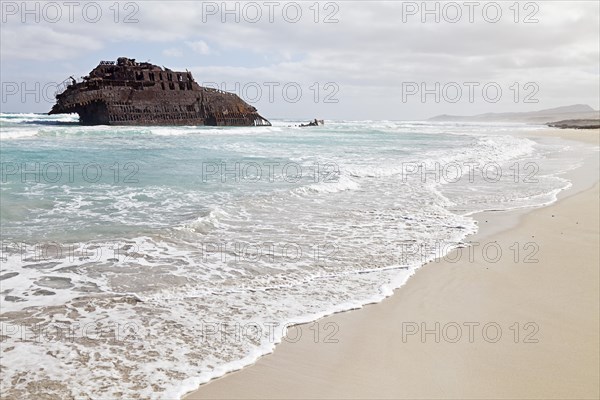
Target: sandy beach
pixel 519 319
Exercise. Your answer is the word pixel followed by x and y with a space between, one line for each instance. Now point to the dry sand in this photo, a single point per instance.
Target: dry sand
pixel 547 311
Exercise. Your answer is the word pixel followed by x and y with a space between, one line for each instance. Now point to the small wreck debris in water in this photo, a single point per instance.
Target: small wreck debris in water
pixel 132 93
pixel 315 122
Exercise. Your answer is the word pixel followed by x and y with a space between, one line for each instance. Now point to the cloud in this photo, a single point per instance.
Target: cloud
pixel 199 47
pixel 38 42
pixel 172 52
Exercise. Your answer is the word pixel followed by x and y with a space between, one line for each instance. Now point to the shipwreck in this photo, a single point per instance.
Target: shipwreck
pixel 127 92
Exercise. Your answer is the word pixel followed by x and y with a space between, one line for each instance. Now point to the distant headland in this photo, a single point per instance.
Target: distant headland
pixel 580 116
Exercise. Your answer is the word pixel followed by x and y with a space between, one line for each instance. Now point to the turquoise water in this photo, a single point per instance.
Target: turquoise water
pixel 157 258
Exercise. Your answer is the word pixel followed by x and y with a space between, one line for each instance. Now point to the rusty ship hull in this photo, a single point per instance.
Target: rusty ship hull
pixel 131 93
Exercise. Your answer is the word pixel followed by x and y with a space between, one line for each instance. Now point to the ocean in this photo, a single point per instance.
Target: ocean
pixel 144 261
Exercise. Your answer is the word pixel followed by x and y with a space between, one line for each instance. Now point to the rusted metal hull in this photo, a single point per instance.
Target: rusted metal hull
pixel 131 93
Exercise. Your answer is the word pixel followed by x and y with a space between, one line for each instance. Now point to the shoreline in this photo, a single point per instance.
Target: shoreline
pixel 309 369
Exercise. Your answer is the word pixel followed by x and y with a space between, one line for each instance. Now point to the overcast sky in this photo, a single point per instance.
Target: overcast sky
pixel 350 60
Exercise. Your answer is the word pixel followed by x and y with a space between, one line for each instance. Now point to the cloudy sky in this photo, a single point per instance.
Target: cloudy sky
pixel 332 60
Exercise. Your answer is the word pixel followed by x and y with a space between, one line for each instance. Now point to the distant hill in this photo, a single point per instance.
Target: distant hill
pixel 576 111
